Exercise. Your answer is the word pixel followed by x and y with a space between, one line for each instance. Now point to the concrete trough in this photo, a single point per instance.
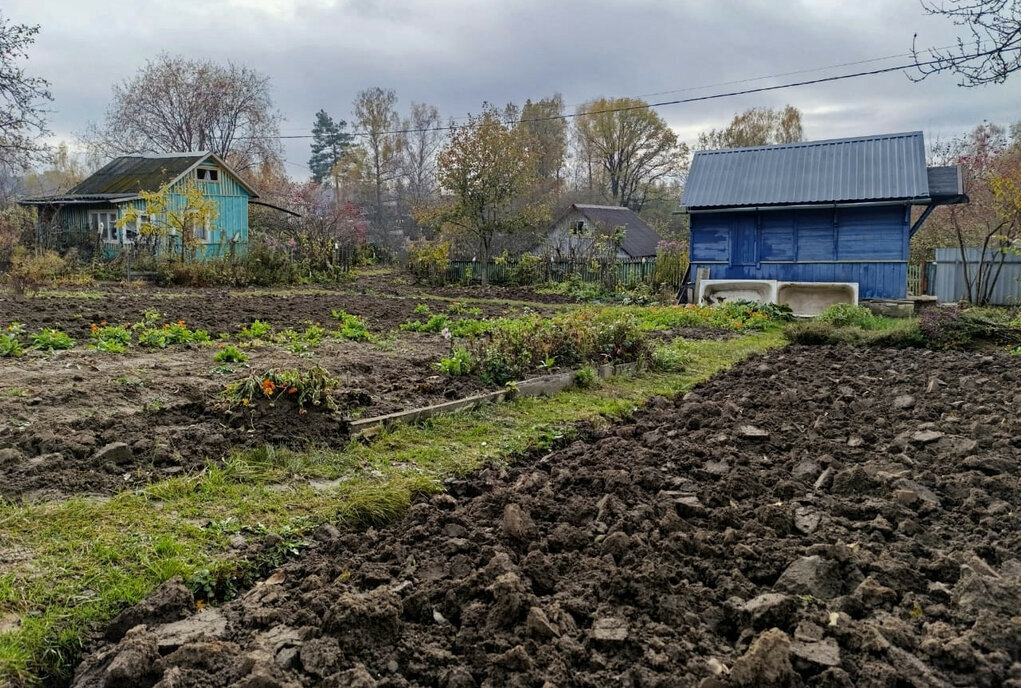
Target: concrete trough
pixel 812 298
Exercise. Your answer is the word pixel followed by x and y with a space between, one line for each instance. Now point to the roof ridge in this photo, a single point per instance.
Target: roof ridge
pixel 819 142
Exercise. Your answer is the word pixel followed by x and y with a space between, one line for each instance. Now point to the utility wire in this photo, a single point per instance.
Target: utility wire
pixel 679 101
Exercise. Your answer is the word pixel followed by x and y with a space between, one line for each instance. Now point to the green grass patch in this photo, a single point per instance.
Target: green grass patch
pixel 78 562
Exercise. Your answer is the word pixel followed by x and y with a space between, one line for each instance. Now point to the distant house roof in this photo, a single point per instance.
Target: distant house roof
pixel 867 168
pixel 639 238
pixel 124 177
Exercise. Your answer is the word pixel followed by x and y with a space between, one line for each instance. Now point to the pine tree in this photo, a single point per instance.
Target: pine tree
pixel 329 139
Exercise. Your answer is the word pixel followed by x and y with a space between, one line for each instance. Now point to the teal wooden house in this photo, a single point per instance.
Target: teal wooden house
pixel 94 206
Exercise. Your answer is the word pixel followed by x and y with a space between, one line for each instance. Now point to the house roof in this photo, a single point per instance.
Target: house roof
pixel 639 238
pixel 866 168
pixel 124 177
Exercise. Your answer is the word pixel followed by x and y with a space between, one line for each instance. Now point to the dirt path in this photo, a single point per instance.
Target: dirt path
pixel 816 517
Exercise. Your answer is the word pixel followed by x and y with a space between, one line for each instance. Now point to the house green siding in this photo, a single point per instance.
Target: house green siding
pixel 227 233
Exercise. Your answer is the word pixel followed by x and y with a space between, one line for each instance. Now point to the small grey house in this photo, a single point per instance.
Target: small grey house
pixel 574 233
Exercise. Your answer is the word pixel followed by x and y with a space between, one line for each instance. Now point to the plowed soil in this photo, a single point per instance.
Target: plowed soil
pixel 81 421
pixel 815 517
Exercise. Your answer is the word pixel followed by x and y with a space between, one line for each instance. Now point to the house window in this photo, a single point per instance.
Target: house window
pixel 578 228
pixel 207 174
pixel 104 223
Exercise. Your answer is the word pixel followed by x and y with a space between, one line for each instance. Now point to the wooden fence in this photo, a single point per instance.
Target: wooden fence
pixel 628 273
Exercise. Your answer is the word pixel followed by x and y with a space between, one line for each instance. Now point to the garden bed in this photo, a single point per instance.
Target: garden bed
pixel 818 516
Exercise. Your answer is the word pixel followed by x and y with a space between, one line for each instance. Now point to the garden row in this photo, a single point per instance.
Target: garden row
pixel 941 328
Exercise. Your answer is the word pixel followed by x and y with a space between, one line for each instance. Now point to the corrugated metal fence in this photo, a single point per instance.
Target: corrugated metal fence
pixel 948 282
pixel 624 272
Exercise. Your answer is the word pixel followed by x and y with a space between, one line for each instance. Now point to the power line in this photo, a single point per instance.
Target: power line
pixel 679 101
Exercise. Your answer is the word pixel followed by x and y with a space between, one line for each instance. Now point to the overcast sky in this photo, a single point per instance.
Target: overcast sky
pixel 456 54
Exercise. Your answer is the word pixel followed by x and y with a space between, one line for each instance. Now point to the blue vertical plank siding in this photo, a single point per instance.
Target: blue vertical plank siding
pixel 867 245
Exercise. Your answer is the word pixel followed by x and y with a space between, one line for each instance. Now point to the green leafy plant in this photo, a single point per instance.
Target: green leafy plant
pixel 455 308
pixel 586 378
pixel 435 323
pixel 49 339
pixel 421 309
pixel 114 339
pixel 668 360
pixel 230 354
pixel 848 315
pixel 257 330
pixel 351 326
pixel 458 363
pixel 304 388
pixel 10 347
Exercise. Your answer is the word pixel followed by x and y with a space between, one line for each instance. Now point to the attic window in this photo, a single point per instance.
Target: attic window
pixel 206 174
pixel 578 228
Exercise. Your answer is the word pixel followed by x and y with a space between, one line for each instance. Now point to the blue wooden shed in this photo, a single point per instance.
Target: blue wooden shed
pixel 838 210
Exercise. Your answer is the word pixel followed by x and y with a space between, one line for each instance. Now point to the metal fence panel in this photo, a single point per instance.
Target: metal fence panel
pixel 949 285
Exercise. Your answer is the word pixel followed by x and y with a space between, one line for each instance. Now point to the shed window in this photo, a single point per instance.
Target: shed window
pixel 207 174
pixel 104 223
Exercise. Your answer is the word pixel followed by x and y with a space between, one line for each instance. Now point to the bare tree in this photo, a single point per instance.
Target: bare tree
pixel 376 120
pixel 421 144
pixel 174 104
pixel 989 54
pixel 22 113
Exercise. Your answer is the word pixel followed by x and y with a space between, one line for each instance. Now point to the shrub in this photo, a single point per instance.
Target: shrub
pixel 847 315
pixel 49 339
pixel 230 354
pixel 511 349
pixel 29 272
pixel 313 387
pixel 351 327
pixel 429 260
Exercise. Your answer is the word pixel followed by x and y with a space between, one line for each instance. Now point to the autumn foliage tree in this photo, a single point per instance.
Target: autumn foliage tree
pixel 184 212
pixel 630 145
pixel 991 221
pixel 759 126
pixel 486 170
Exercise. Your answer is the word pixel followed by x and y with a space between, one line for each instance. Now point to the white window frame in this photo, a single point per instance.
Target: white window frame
pixel 209 175
pixel 109 232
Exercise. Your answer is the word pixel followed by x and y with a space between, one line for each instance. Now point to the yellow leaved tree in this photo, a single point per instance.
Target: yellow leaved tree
pixel 184 212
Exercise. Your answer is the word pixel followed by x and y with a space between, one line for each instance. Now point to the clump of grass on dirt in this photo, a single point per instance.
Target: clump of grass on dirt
pixel 84 560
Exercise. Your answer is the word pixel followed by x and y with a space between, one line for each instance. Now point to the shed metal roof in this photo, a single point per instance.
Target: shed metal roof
pixel 639 238
pixel 866 168
pixel 134 173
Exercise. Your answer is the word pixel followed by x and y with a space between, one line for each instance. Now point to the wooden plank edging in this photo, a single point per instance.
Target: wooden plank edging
pixel 534 387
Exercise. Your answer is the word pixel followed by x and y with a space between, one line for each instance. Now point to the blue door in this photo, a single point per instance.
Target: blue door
pixel 743 244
